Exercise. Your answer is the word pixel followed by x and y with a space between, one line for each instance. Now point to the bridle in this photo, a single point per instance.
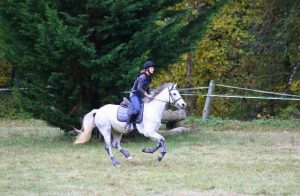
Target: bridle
pixel 172 100
pixel 171 97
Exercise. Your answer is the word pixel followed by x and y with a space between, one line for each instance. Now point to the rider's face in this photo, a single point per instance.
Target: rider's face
pixel 151 70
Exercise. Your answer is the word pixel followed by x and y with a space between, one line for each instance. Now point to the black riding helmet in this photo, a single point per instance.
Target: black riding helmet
pixel 148 64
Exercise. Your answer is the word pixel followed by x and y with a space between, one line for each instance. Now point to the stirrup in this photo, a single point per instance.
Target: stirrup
pixel 127 126
pixel 129 129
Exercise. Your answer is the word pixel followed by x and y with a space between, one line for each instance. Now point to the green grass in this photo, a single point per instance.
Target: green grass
pixel 219 157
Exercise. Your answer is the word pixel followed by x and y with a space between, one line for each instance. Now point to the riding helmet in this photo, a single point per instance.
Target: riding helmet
pixel 148 64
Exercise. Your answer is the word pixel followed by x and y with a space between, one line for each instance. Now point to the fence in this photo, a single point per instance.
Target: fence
pixel 210 95
pixel 10 89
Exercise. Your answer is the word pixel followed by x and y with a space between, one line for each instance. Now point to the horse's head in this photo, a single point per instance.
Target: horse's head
pixel 175 98
pixel 168 93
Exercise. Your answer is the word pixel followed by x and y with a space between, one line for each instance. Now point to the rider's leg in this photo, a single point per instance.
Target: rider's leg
pixel 136 109
pixel 131 119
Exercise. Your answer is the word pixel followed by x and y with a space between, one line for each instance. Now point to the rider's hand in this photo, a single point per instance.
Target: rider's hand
pixel 148 96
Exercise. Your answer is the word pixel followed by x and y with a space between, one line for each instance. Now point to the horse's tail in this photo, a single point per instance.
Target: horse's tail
pixel 88 125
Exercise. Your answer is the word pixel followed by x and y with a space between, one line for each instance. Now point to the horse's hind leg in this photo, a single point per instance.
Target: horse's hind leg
pixel 117 144
pixel 108 147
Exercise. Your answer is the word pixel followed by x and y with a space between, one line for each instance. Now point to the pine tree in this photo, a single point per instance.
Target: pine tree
pixel 77 55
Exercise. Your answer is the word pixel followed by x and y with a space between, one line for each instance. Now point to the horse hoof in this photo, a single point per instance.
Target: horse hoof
pixel 129 158
pixel 159 158
pixel 116 165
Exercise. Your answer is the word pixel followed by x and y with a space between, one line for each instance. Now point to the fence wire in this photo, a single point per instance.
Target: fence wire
pixel 259 91
pixel 241 97
pixel 283 96
pixel 10 89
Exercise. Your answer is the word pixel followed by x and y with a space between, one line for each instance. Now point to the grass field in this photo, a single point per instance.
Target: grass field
pixel 219 157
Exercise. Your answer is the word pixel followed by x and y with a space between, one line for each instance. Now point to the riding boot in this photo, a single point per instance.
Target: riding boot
pixel 131 120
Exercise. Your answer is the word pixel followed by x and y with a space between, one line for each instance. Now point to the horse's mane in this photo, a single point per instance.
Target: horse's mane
pixel 158 90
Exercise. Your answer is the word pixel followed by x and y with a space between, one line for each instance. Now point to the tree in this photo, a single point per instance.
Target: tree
pixel 250 44
pixel 77 55
pixel 5 73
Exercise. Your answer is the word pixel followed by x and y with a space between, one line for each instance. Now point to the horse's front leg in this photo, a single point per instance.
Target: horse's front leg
pixel 163 151
pixel 152 149
pixel 161 143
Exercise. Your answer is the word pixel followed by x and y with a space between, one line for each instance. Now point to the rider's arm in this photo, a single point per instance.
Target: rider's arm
pixel 141 84
pixel 141 81
pixel 147 92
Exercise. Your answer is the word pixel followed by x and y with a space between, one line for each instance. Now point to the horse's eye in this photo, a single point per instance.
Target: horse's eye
pixel 174 93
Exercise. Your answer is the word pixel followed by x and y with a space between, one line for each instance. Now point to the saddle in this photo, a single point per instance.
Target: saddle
pixel 126 108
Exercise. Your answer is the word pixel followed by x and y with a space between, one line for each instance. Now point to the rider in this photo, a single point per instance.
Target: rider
pixel 140 90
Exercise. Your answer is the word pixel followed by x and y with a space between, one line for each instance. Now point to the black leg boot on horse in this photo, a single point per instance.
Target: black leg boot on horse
pixel 131 121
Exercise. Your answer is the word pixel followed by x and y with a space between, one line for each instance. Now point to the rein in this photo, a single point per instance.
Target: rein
pixel 152 98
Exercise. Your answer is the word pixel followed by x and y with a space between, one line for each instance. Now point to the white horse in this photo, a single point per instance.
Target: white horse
pixel 105 118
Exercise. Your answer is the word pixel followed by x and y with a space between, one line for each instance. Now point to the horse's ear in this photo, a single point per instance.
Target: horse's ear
pixel 175 85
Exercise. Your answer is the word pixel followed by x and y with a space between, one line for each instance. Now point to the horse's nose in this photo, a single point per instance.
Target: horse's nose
pixel 183 105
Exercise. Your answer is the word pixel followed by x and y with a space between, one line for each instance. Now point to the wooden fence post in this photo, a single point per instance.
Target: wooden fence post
pixel 208 100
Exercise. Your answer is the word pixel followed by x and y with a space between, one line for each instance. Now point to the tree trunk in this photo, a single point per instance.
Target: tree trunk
pixel 170 115
pixel 191 99
pixel 171 118
pixel 293 72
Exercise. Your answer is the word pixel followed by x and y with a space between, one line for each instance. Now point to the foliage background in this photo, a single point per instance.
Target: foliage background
pixel 250 44
pixel 78 55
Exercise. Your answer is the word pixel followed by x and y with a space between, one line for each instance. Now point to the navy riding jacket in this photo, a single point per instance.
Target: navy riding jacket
pixel 141 85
